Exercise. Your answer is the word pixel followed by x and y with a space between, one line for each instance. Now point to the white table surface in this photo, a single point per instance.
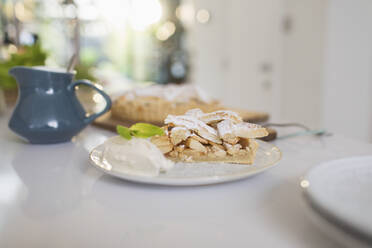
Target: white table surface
pixel 50 196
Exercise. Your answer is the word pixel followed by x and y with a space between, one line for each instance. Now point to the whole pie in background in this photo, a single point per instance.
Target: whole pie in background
pixel 154 103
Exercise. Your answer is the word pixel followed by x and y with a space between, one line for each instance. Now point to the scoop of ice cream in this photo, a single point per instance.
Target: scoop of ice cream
pixel 136 156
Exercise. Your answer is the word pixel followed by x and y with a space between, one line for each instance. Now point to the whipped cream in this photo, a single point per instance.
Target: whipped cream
pixel 136 156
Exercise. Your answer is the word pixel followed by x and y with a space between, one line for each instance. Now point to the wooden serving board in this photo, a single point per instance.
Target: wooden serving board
pixel 107 122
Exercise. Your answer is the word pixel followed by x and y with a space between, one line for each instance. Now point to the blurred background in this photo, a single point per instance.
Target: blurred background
pixel 303 61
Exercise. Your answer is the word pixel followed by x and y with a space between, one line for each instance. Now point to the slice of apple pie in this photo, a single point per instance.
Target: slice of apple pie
pixel 219 136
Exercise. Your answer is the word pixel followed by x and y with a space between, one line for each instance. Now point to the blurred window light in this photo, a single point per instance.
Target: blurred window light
pixel 144 13
pixel 69 11
pixel 89 12
pixel 52 10
pixel 115 12
pixel 95 29
pixel 165 31
pixel 203 16
pixel 83 2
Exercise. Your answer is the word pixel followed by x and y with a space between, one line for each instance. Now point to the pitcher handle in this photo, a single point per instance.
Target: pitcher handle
pixel 91 118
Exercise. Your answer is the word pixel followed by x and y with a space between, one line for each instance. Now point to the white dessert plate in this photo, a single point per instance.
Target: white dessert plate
pixel 340 192
pixel 188 174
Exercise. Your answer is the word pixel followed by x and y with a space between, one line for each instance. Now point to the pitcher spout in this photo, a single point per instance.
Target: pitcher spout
pixel 17 70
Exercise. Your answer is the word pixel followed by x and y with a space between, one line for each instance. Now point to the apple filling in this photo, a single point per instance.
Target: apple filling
pixel 219 136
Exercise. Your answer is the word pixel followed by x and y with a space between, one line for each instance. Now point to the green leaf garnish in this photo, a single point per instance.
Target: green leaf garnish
pixel 145 130
pixel 139 130
pixel 123 132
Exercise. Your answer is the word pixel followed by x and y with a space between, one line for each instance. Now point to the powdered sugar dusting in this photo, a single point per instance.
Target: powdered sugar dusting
pixel 247 125
pixel 220 115
pixel 225 127
pixel 228 123
pixel 194 124
pixel 197 113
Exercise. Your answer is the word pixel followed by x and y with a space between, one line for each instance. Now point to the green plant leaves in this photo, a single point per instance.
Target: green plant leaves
pixel 26 56
pixel 139 130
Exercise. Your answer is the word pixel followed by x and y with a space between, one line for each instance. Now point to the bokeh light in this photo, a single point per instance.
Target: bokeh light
pixel 203 16
pixel 165 31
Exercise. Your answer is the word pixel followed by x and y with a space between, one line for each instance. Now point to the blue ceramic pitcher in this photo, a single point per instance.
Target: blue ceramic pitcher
pixel 47 109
